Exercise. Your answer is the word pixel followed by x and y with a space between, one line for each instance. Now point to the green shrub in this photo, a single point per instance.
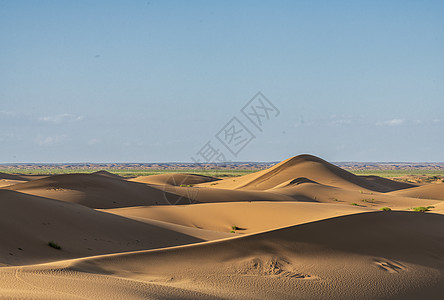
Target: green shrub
pixel 355 204
pixel 386 209
pixel 54 245
pixel 420 209
pixel 234 227
pixel 232 231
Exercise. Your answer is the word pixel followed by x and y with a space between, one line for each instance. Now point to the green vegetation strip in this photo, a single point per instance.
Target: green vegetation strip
pixel 206 172
pixel 130 172
pixel 397 173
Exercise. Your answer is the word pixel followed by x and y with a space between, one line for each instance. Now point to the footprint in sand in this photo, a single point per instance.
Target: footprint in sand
pixel 389 266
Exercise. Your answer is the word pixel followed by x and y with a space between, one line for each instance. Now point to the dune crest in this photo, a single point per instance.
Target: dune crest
pixel 302 229
pixel 96 191
pixel 304 261
pixel 306 166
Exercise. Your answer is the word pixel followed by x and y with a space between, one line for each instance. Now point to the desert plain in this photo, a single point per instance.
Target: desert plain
pixel 301 229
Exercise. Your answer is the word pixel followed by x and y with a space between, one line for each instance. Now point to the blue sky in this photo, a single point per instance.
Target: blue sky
pixel 147 81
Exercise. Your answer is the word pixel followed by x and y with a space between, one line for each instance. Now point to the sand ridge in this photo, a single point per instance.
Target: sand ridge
pixel 303 259
pixel 302 229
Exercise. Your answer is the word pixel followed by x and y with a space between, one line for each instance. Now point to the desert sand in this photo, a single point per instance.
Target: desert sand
pixel 302 229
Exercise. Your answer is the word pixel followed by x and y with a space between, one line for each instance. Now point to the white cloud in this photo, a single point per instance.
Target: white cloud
pixel 61 118
pixel 50 140
pixel 393 122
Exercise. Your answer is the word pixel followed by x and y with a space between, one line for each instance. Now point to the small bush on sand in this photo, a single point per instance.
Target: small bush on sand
pixel 421 209
pixel 234 227
pixel 386 209
pixel 355 204
pixel 54 245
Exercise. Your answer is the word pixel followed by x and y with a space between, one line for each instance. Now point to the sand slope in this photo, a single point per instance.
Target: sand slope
pixel 9 182
pixel 12 177
pixel 430 191
pixel 96 191
pixel 20 177
pixel 310 167
pixel 328 194
pixel 108 174
pixel 304 229
pixel 361 256
pixel 175 179
pixel 249 217
pixel 390 185
pixel 28 223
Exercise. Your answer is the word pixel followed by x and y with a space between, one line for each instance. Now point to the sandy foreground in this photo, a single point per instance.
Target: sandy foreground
pixel 303 229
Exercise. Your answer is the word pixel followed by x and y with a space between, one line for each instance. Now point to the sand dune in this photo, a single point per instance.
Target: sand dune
pixel 430 191
pixel 107 174
pixel 97 191
pixel 303 229
pixel 257 216
pixel 20 177
pixel 248 217
pixel 310 167
pixel 174 179
pixel 9 182
pixel 28 223
pixel 391 185
pixel 328 194
pixel 373 254
pixel 13 177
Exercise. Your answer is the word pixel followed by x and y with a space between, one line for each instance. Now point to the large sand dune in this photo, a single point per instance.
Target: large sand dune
pixel 430 191
pixel 11 179
pixel 361 256
pixel 310 167
pixel 96 191
pixel 250 217
pixel 174 179
pixel 303 229
pixel 29 222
